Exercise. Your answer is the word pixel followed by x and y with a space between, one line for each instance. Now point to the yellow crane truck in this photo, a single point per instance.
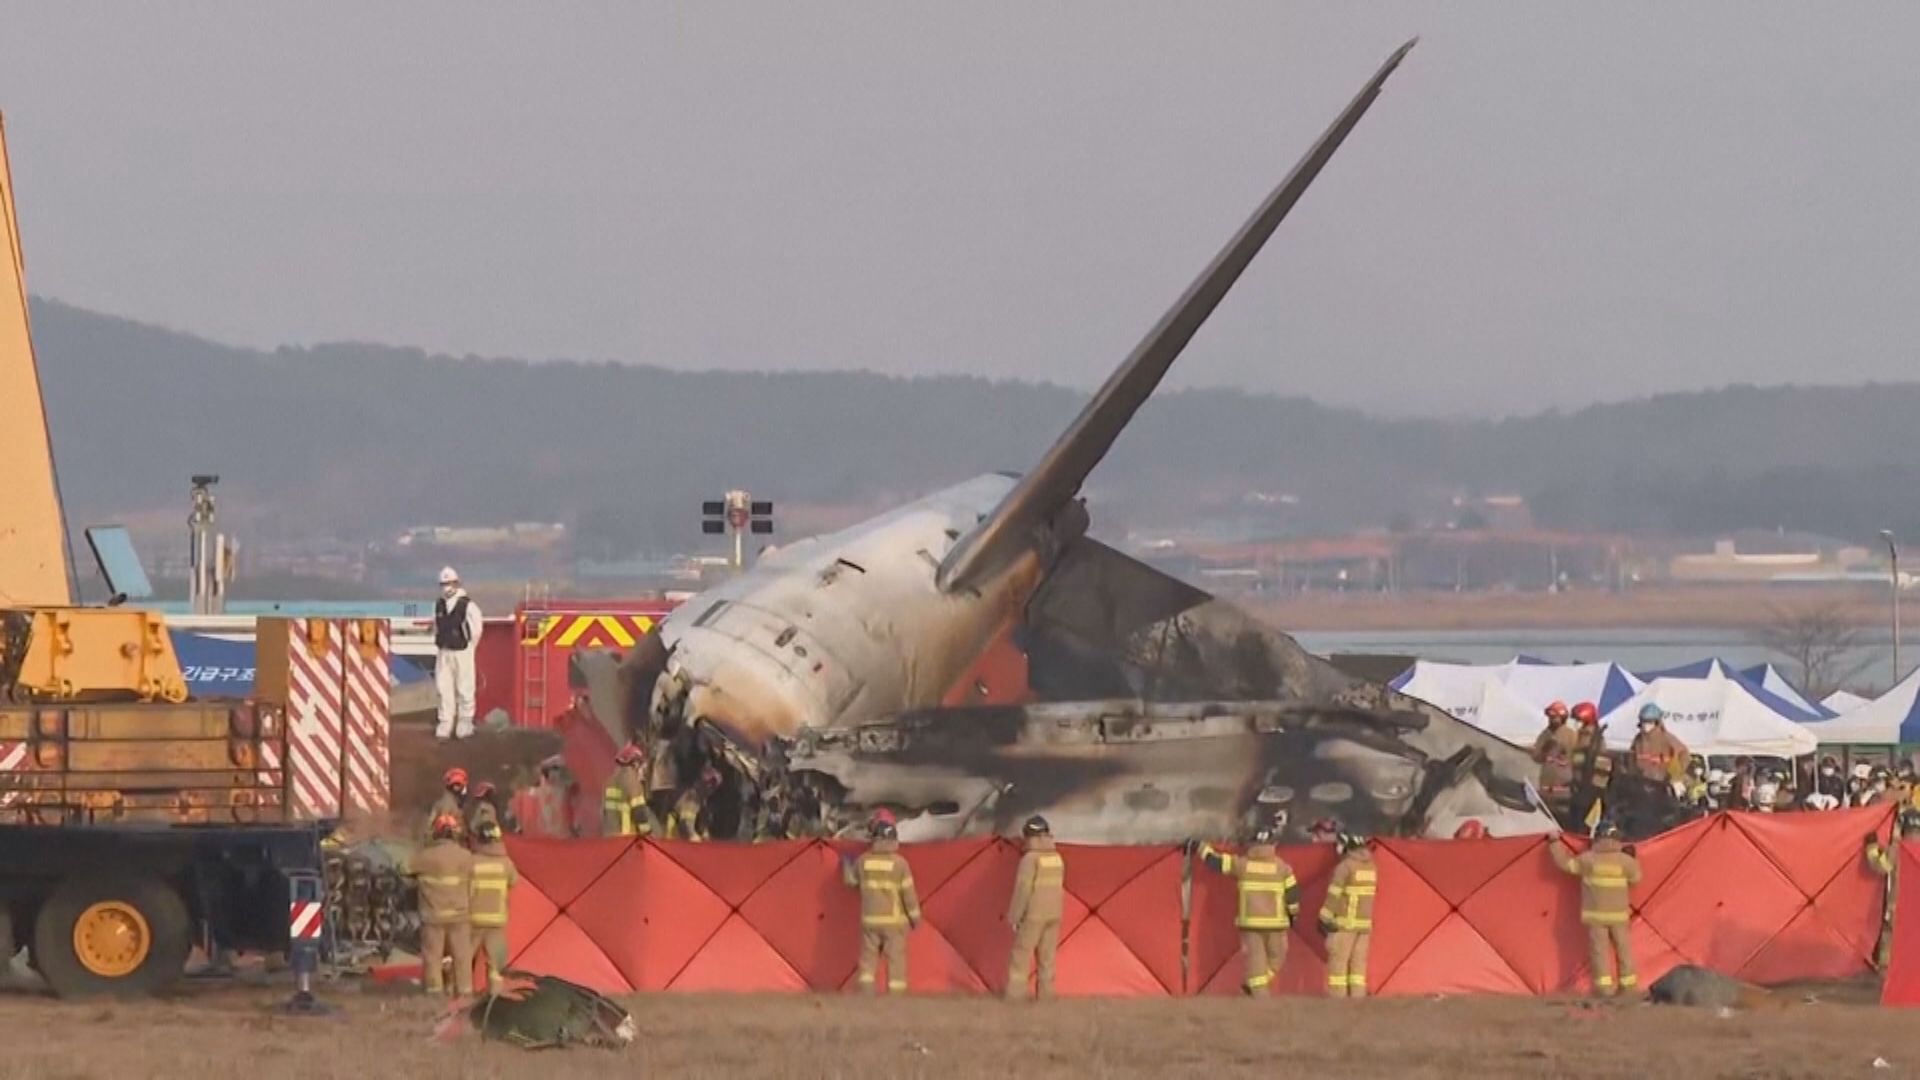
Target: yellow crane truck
pixel 134 823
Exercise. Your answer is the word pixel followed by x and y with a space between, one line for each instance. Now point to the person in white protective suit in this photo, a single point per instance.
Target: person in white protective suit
pixel 456 633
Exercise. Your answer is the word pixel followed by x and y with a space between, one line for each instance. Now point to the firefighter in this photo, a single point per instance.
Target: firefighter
pixel 1884 861
pixel 1039 888
pixel 493 878
pixel 1553 750
pixel 686 820
pixel 624 810
pixel 1346 917
pixel 451 803
pixel 1657 756
pixel 480 809
pixel 1899 786
pixel 545 810
pixel 1267 899
pixel 456 635
pixel 1592 765
pixel 1607 875
pixel 444 872
pixel 889 906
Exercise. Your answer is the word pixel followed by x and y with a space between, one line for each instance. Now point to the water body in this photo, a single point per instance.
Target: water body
pixel 1650 649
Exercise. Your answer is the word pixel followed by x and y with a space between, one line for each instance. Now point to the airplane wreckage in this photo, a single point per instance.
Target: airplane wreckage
pixel 806 694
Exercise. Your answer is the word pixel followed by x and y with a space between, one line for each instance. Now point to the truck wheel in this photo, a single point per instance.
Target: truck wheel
pixel 111 935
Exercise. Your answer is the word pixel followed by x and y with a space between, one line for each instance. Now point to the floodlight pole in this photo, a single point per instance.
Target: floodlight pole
pixel 1893 579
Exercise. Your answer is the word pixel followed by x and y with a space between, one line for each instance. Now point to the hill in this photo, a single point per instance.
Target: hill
pixel 358 440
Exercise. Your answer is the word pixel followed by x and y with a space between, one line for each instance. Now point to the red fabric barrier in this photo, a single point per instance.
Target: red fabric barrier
pixel 1769 898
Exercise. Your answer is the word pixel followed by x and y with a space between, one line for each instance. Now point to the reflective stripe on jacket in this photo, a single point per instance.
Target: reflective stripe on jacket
pixel 444 871
pixel 1351 892
pixel 1039 886
pixel 623 809
pixel 1267 893
pixel 1606 875
pixel 493 878
pixel 887 897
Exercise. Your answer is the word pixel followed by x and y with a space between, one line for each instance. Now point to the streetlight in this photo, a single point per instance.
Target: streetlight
pixel 1893 575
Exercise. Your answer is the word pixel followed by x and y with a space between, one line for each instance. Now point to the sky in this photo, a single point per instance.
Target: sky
pixel 1552 204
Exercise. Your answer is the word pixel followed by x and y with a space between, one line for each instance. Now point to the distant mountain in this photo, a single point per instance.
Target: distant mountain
pixel 360 440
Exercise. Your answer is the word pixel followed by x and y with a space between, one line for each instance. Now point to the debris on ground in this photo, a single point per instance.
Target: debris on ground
pixel 540 1012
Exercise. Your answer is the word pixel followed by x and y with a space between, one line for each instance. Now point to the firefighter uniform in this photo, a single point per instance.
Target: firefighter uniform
pixel 1884 861
pixel 1554 751
pixel 683 821
pixel 493 878
pixel 1347 919
pixel 1607 874
pixel 889 907
pixel 444 871
pixel 481 812
pixel 1592 773
pixel 1267 898
pixel 449 805
pixel 623 811
pixel 1657 756
pixel 1039 887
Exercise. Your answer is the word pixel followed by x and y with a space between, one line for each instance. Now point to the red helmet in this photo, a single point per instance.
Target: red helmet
pixel 629 754
pixel 446 827
pixel 1471 829
pixel 1586 713
pixel 455 777
pixel 1557 711
pixel 483 789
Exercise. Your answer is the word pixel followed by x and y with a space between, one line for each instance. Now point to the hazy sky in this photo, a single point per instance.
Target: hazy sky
pixel 1550 205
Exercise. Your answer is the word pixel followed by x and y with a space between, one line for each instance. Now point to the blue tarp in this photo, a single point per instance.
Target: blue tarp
pixel 217 668
pixel 1701 669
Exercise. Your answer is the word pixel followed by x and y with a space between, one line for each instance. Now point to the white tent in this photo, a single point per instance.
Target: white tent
pixel 1843 701
pixel 1500 712
pixel 1890 719
pixel 1459 688
pixel 1714 716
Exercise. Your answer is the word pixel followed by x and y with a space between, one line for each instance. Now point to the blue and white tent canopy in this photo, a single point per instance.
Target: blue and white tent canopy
pixel 1841 702
pixel 1715 668
pixel 1775 682
pixel 1714 716
pixel 1460 689
pixel 1890 719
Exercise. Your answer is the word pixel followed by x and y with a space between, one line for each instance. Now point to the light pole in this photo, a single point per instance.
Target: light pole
pixel 1893 576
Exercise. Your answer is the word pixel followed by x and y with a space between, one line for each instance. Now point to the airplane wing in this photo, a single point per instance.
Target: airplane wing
pixel 1010 528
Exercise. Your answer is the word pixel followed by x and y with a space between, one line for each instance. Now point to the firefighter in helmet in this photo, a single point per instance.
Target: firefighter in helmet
pixel 1039 890
pixel 1268 899
pixel 1592 766
pixel 452 802
pixel 1553 751
pixel 1346 916
pixel 1607 875
pixel 623 810
pixel 889 905
pixel 443 870
pixel 480 809
pixel 493 878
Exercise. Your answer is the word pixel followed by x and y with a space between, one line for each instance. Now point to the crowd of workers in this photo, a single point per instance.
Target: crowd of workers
pixel 1658 782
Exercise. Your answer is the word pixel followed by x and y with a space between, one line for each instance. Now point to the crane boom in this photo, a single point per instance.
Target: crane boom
pixel 33 563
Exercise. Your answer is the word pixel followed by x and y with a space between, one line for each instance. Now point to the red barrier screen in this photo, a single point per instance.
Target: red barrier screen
pixel 1767 898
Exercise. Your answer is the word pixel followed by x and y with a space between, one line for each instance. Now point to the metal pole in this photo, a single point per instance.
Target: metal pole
pixel 1893 579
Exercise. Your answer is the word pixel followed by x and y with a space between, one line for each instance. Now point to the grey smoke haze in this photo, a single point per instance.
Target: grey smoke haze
pixel 1552 204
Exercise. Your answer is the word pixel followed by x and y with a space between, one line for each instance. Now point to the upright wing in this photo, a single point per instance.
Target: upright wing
pixel 1058 476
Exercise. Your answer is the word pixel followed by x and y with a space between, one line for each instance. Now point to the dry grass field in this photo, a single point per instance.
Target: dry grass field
pixel 211 1034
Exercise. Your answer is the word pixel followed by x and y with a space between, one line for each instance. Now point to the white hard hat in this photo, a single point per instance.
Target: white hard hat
pixel 447 576
pixel 1861 770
